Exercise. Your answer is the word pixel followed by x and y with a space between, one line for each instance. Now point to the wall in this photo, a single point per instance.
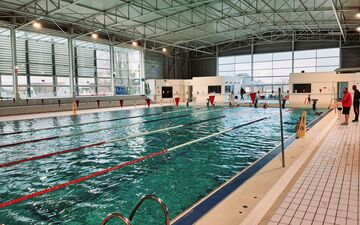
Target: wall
pixel 180 89
pixel 200 67
pixel 350 57
pixel 326 81
pixel 154 65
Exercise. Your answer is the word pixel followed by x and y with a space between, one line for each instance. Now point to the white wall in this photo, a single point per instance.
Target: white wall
pixel 200 88
pixel 326 81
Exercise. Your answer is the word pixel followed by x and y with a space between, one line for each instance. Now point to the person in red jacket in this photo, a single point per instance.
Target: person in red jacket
pixel 346 103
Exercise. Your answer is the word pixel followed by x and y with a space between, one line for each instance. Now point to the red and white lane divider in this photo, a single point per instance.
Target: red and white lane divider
pixel 110 169
pixel 94 122
pixel 101 143
pixel 102 129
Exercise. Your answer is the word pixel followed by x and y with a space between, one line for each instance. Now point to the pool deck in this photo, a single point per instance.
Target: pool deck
pixel 321 173
pixel 327 191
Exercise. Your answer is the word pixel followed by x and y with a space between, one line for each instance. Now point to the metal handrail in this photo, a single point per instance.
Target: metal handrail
pixel 158 200
pixel 118 216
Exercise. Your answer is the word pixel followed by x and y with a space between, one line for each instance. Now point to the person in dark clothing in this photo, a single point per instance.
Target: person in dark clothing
pixel 356 103
pixel 242 92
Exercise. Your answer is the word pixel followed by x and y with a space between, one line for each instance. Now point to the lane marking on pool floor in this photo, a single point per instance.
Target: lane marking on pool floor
pixel 110 169
pixel 93 122
pixel 8 164
pixel 102 129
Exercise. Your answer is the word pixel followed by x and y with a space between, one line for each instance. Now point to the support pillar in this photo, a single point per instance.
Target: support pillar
pixel 15 68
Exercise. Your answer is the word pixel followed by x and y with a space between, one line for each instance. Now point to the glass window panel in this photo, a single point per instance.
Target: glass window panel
pixel 22 80
pixel 305 69
pixel 227 60
pixel 243 59
pixel 262 65
pixel 304 63
pixel 104 91
pixel 282 72
pixel 41 91
pixel 328 52
pixel 326 68
pixel 327 62
pixel 103 82
pixel 244 73
pixel 243 66
pixel 121 82
pixel 307 54
pixel 262 57
pixel 35 80
pixel 87 91
pixel 281 80
pixel 63 91
pixel 63 81
pixel 6 92
pixel 227 74
pixel 282 64
pixel 86 81
pixel 6 80
pixel 103 73
pixel 227 67
pixel 282 56
pixel 262 80
pixel 262 73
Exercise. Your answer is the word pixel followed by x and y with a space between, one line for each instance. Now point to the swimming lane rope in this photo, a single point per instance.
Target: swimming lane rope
pixel 110 169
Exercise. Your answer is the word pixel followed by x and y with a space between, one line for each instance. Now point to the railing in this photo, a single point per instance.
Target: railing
pixel 118 216
pixel 127 221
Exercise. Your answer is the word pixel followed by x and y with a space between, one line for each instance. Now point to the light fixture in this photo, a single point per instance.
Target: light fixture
pixel 357 15
pixel 37 24
pixel 94 35
pixel 164 49
pixel 134 43
pixel 358 29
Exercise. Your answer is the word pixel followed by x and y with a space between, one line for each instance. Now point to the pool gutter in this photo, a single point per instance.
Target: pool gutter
pixel 203 206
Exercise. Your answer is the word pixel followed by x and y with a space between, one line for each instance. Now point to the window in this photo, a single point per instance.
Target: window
pixel 275 68
pixel 302 88
pixel 214 89
pixel 92 68
pixel 127 71
pixel 43 62
pixel 317 60
pixel 6 80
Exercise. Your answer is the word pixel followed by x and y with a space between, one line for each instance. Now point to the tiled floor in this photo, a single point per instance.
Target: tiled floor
pixel 328 190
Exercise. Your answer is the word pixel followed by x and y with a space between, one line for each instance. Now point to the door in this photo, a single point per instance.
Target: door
pixel 340 88
pixel 167 92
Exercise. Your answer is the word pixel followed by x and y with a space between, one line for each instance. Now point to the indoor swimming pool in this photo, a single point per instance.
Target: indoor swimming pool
pixel 179 154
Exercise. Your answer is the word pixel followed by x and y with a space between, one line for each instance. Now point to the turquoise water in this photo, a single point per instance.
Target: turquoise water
pixel 180 178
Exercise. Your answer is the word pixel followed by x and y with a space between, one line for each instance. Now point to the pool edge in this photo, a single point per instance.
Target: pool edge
pixel 214 198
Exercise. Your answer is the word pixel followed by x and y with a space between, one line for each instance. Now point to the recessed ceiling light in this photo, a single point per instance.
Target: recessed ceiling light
pixel 36 24
pixel 94 35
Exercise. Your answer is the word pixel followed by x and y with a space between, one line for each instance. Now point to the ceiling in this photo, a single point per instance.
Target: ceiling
pixel 192 25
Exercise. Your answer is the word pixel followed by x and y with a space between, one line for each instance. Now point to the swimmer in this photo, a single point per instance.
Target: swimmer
pixel 265 106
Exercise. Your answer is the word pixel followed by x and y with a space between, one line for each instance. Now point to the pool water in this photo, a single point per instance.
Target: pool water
pixel 180 177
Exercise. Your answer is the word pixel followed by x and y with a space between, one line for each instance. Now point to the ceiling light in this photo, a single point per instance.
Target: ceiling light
pixel 358 15
pixel 164 49
pixel 358 29
pixel 94 35
pixel 36 24
pixel 134 43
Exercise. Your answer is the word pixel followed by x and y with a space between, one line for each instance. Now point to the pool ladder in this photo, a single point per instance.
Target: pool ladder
pixel 127 221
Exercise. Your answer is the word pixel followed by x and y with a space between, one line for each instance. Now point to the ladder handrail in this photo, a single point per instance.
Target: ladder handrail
pixel 118 216
pixel 158 200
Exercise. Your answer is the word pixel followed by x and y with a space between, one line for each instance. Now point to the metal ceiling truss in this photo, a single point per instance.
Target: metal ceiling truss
pixel 192 25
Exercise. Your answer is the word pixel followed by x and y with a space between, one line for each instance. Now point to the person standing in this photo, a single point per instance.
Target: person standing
pixel 346 103
pixel 356 103
pixel 242 92
pixel 284 99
